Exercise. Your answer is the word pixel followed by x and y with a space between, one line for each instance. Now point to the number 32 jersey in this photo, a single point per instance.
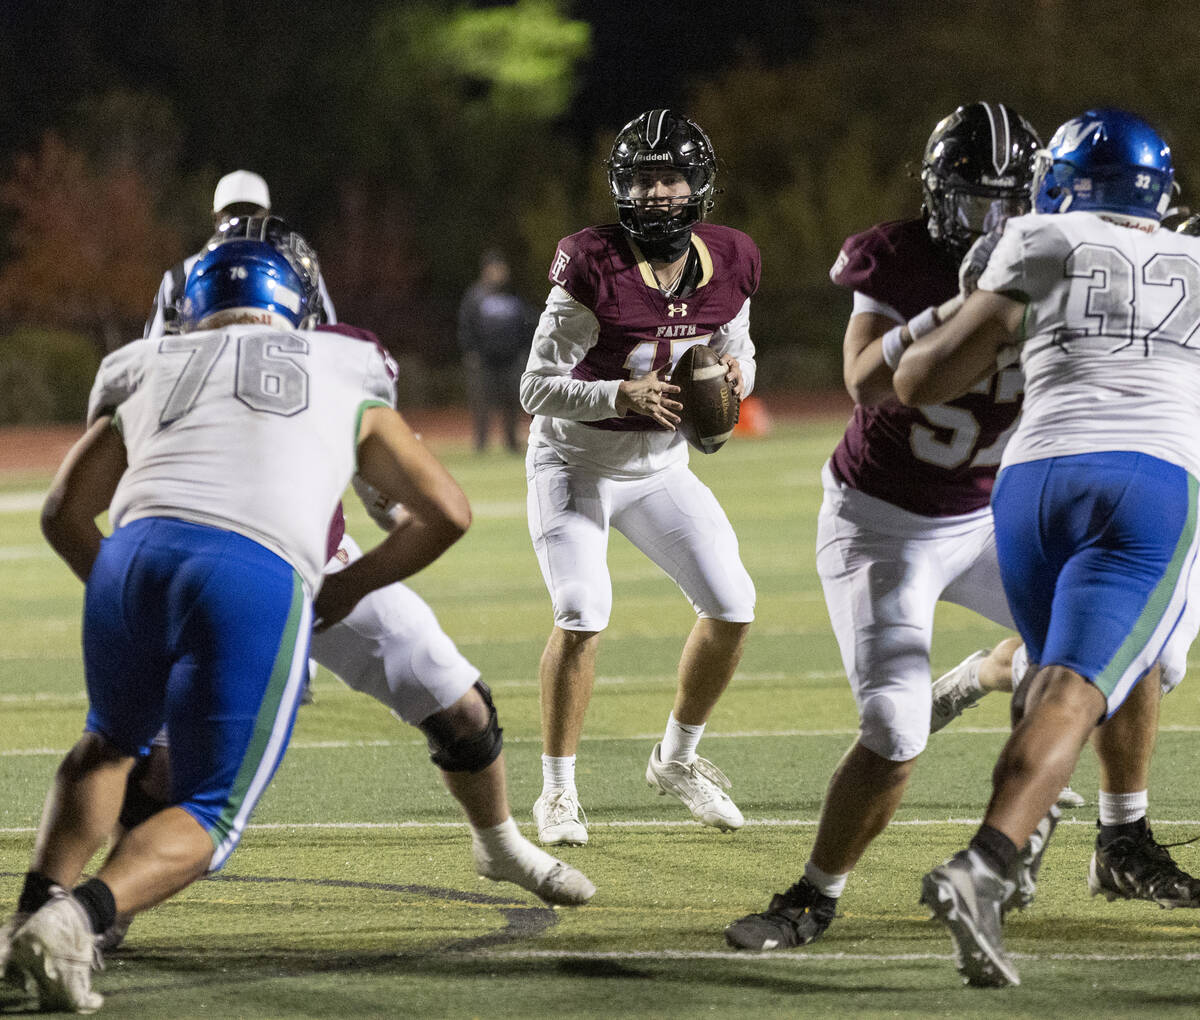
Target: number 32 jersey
pixel 1111 347
pixel 244 428
pixel 939 460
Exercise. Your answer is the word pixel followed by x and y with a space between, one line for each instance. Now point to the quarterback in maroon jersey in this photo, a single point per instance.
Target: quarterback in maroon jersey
pixel 626 300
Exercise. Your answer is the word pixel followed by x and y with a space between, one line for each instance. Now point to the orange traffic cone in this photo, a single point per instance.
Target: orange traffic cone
pixel 754 421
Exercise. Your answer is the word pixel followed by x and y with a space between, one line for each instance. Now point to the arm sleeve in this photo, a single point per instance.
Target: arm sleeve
pixel 565 333
pixel 734 338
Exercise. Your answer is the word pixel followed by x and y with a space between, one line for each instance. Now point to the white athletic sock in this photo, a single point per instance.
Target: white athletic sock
pixel 501 852
pixel 1020 663
pixel 825 883
pixel 503 840
pixel 558 772
pixel 680 740
pixel 1123 808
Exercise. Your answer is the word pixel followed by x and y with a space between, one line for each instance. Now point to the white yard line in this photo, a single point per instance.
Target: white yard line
pixel 22 501
pixel 336 745
pixel 809 957
pixel 630 823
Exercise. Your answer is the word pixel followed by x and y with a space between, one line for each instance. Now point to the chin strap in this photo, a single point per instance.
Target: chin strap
pixel 666 249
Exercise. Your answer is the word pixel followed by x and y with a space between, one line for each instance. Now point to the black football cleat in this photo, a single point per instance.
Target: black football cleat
pixel 794 918
pixel 968 898
pixel 1138 867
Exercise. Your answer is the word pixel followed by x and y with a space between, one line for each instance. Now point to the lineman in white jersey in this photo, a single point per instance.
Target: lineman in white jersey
pixel 391 647
pixel 199 604
pixel 1096 501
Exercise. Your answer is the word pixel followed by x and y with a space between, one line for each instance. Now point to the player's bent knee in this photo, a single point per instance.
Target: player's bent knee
pixel 891 729
pixel 453 750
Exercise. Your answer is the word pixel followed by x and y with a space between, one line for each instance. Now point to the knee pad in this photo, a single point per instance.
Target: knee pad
pixel 893 728
pixel 454 752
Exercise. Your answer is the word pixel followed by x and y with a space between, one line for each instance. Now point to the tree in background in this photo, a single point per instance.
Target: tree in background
pixel 454 139
pixel 826 145
pixel 87 249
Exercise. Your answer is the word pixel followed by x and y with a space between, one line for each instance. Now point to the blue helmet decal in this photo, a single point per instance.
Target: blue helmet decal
pixel 1104 160
pixel 245 274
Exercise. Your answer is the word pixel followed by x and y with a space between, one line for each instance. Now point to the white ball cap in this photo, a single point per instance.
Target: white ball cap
pixel 241 186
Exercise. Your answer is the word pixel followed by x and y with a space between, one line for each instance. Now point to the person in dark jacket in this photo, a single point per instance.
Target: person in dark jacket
pixel 494 329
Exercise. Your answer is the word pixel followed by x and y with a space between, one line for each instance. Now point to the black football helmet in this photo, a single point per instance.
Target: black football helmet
pixel 662 139
pixel 976 173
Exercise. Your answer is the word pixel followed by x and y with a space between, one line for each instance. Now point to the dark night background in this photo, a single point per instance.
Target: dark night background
pixel 403 138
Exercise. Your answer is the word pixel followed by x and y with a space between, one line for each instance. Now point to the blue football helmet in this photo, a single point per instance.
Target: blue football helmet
pixel 247 275
pixel 1104 160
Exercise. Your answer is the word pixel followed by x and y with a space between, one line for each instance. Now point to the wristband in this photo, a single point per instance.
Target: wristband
pixel 926 322
pixel 893 346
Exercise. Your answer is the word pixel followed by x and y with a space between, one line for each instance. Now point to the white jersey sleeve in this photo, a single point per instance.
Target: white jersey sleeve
pixel 119 376
pixel 1027 262
pixel 734 338
pixel 246 429
pixel 566 331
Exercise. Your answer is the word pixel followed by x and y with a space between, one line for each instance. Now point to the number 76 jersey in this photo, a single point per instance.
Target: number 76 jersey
pixel 244 428
pixel 1111 339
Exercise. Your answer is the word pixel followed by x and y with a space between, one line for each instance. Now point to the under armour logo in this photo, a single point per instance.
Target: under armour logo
pixel 561 258
pixel 679 309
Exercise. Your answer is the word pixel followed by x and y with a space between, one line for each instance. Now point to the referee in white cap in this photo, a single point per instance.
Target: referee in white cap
pixel 240 193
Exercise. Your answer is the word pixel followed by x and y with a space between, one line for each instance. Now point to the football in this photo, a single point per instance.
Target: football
pixel 710 408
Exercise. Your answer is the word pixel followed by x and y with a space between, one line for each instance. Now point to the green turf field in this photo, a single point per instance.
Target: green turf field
pixel 352 893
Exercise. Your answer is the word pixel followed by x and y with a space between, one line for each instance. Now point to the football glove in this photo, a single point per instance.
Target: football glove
pixel 976 260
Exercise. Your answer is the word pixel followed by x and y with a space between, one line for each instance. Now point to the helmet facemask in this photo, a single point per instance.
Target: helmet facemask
pixel 961 212
pixel 976 173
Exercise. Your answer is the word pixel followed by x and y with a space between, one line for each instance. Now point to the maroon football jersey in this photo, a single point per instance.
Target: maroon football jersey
pixel 642 329
pixel 938 460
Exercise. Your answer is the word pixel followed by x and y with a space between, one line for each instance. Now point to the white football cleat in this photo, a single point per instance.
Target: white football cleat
pixel 561 820
pixel 956 691
pixel 700 785
pixel 551 880
pixel 56 947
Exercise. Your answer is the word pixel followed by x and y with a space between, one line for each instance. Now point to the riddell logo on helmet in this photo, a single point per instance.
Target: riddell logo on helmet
pixel 647 157
pixel 1007 181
